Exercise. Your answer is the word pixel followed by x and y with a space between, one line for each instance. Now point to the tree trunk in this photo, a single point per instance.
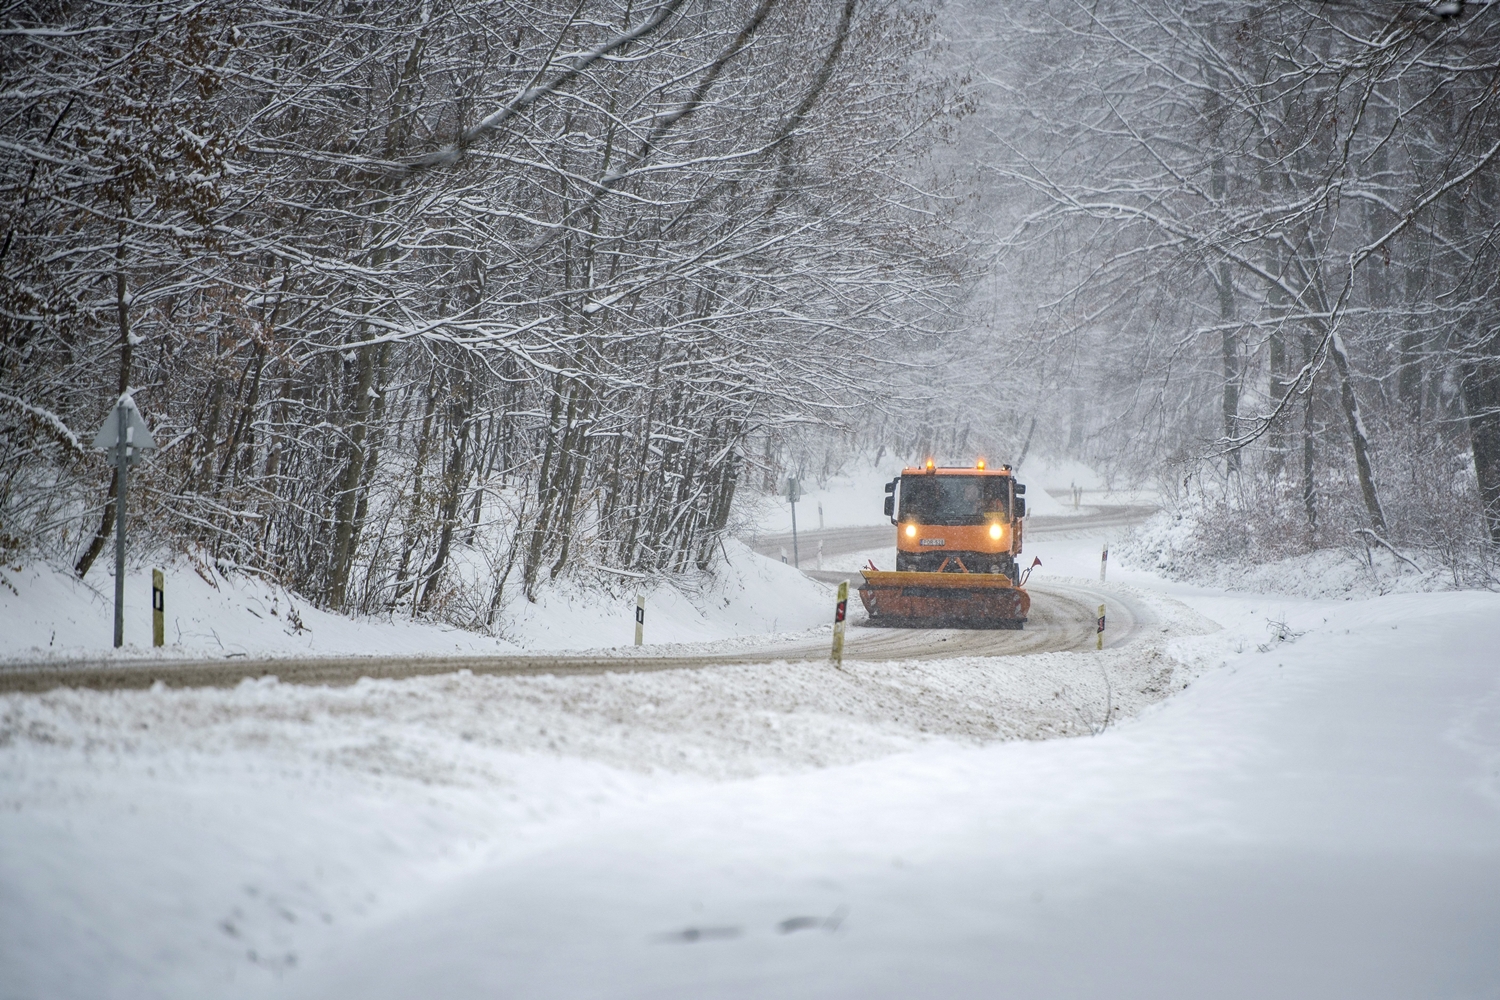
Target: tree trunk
pixel 454 478
pixel 546 496
pixel 348 487
pixel 1409 382
pixel 574 464
pixel 497 596
pixel 1357 434
pixel 373 440
pixel 1480 384
pixel 1231 358
pixel 210 434
pixel 1276 344
pixel 411 532
pixel 241 436
pixel 1224 285
pixel 1309 484
pixel 721 502
pixel 107 522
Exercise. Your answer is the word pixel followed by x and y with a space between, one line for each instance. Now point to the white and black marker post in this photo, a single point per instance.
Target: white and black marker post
pixel 839 613
pixel 1103 561
pixel 125 433
pixel 640 619
pixel 158 609
pixel 1099 644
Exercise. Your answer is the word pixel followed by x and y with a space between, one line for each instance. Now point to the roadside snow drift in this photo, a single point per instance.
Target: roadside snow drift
pixel 47 614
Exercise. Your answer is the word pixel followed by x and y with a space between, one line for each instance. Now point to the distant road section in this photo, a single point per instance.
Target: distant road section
pixel 842 541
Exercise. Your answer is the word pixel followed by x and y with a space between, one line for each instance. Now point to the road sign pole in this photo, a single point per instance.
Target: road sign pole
pixel 1099 643
pixel 640 619
pixel 129 438
pixel 122 490
pixel 796 561
pixel 793 494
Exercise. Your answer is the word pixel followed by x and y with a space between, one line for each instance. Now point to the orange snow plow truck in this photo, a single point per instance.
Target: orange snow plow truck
pixel 958 536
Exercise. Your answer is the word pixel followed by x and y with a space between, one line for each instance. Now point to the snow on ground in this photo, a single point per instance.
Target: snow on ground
pixel 1060 474
pixel 853 498
pixel 1040 502
pixel 1166 545
pixel 313 813
pixel 1321 819
pixel 1317 814
pixel 49 614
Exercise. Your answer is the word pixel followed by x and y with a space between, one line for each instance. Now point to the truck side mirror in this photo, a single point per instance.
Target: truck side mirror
pixel 1020 506
pixel 890 507
pixel 1020 489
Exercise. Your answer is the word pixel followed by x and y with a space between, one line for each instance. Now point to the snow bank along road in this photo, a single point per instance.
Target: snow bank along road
pixel 1062 616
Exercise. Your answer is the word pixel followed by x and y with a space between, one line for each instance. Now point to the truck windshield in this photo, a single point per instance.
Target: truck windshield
pixel 953 499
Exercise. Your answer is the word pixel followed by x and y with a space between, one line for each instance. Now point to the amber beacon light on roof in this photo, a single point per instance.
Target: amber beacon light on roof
pixel 958 538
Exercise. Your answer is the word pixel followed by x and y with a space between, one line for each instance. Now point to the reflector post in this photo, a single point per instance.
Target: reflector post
pixel 158 609
pixel 839 614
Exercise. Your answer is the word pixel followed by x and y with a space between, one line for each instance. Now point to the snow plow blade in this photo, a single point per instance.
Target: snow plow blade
pixel 973 600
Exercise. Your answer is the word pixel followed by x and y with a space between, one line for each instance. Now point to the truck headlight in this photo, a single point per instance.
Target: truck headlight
pixel 995 531
pixel 911 531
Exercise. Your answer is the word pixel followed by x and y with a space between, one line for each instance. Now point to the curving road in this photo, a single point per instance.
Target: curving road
pixel 842 541
pixel 1062 613
pixel 1062 618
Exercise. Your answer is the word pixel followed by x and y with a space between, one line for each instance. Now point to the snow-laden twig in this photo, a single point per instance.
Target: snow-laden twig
pixel 51 423
pixel 494 122
pixel 1371 534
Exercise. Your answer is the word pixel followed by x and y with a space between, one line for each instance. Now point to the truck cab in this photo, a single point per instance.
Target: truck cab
pixel 957 519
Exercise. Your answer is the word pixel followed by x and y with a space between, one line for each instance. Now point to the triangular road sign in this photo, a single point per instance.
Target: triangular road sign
pixel 137 435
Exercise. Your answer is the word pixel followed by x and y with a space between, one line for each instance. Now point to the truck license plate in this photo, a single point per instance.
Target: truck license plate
pixel 934 541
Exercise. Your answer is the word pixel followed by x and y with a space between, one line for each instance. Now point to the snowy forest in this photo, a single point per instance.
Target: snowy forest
pixel 1252 251
pixel 558 284
pixel 385 275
